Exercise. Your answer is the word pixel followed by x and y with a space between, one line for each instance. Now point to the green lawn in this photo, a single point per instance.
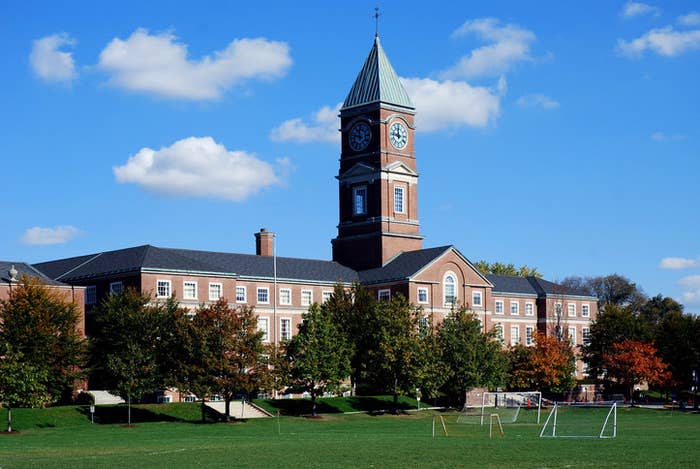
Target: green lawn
pixel 168 436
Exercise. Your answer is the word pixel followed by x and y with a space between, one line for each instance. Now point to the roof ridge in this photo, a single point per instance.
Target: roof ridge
pixel 79 265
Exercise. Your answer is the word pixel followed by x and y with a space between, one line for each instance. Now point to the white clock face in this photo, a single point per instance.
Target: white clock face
pixel 360 136
pixel 398 135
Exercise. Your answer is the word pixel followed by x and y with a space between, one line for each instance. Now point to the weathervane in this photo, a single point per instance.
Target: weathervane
pixel 376 16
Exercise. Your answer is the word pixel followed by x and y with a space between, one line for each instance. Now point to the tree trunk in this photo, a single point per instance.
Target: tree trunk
pixel 128 410
pixel 313 402
pixel 9 419
pixel 227 412
pixel 204 411
pixel 395 404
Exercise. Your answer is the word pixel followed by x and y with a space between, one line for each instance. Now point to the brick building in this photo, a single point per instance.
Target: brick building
pixel 378 244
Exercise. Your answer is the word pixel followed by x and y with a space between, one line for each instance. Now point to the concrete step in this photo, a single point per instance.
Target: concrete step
pixel 239 409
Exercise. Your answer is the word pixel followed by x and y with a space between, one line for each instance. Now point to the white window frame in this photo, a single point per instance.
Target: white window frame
pixel 169 283
pixel 500 332
pixel 245 294
pixel 529 308
pixel 310 294
pixel 267 293
pixel 91 295
pixel 585 310
pixel 475 295
pixel 558 309
pixel 529 336
pixel 498 303
pixel 221 290
pixel 264 327
pixel 284 336
pixel 112 287
pixel 585 335
pixel 399 202
pixel 363 209
pixel 571 310
pixel 384 295
pixel 517 308
pixel 444 289
pixel 427 298
pixel 326 295
pixel 514 338
pixel 184 290
pixel 571 331
pixel 288 300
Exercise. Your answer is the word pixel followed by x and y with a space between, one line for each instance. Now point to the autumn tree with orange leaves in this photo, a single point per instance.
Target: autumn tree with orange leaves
pixel 632 362
pixel 548 366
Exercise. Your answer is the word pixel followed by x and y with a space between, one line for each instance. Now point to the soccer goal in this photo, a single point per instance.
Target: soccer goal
pixel 511 407
pixel 581 421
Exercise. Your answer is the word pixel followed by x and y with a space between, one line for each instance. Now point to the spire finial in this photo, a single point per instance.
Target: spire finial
pixel 376 16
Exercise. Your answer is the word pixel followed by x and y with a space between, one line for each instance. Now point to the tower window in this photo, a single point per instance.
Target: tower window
pixel 399 199
pixel 449 284
pixel 359 197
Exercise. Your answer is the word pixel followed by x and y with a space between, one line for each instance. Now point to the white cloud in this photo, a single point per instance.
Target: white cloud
pixel 632 9
pixel 691 298
pixel 678 263
pixel 691 19
pixel 537 100
pixel 448 104
pixel 158 64
pixel 50 63
pixel 508 45
pixel 692 281
pixel 57 235
pixel 198 166
pixel 664 41
pixel 323 128
pixel 692 295
pixel 663 137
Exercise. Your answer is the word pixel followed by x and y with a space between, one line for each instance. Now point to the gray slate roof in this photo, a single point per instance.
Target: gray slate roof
pixel 185 260
pixel 403 266
pixel 24 269
pixel 377 82
pixel 511 284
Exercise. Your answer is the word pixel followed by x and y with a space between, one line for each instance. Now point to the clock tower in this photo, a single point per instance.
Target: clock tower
pixel 378 180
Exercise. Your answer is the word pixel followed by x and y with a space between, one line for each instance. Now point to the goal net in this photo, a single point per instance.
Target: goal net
pixel 511 407
pixel 576 420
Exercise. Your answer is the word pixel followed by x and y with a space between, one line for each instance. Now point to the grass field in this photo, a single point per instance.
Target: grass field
pixel 168 436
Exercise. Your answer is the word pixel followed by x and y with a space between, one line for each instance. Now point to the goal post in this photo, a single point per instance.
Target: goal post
pixel 581 421
pixel 512 406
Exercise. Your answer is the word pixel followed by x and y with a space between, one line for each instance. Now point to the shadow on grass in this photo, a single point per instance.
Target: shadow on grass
pixel 118 414
pixel 369 404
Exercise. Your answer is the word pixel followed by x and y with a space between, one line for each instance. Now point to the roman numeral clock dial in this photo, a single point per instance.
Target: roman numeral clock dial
pixel 398 136
pixel 360 136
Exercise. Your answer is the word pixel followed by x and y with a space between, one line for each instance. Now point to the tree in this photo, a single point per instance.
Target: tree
pixel 472 359
pixel 40 326
pixel 225 353
pixel 632 362
pixel 21 383
pixel 499 268
pixel 548 366
pixel 677 338
pixel 319 355
pixel 657 308
pixel 610 289
pixel 613 325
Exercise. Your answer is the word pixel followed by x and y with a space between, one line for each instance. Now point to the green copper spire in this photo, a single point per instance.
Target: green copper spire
pixel 377 82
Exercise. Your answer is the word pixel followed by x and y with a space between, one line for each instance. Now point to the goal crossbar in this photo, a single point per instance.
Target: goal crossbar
pixel 553 414
pixel 517 400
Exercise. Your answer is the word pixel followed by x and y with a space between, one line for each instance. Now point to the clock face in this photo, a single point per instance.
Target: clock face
pixel 360 135
pixel 398 135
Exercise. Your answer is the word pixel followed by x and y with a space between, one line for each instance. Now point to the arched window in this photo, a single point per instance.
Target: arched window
pixel 449 287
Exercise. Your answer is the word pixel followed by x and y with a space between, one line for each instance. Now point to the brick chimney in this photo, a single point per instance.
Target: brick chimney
pixel 264 242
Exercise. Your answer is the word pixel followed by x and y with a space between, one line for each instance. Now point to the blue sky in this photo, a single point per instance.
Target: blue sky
pixel 562 135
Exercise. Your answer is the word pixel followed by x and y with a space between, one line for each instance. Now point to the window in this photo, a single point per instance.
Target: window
pixel 422 295
pixel 286 328
pixel 116 287
pixel 91 295
pixel 398 199
pixel 571 307
pixel 476 298
pixel 557 309
pixel 585 311
pixel 499 332
pixel 499 307
pixel 263 326
pixel 189 290
pixel 263 295
pixel 384 295
pixel 241 295
pixel 286 296
pixel 529 335
pixel 572 335
pixel 424 323
pixel 215 291
pixel 326 295
pixel 514 335
pixel 514 308
pixel 586 335
pixel 307 297
pixel 163 288
pixel 449 285
pixel 529 309
pixel 359 197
